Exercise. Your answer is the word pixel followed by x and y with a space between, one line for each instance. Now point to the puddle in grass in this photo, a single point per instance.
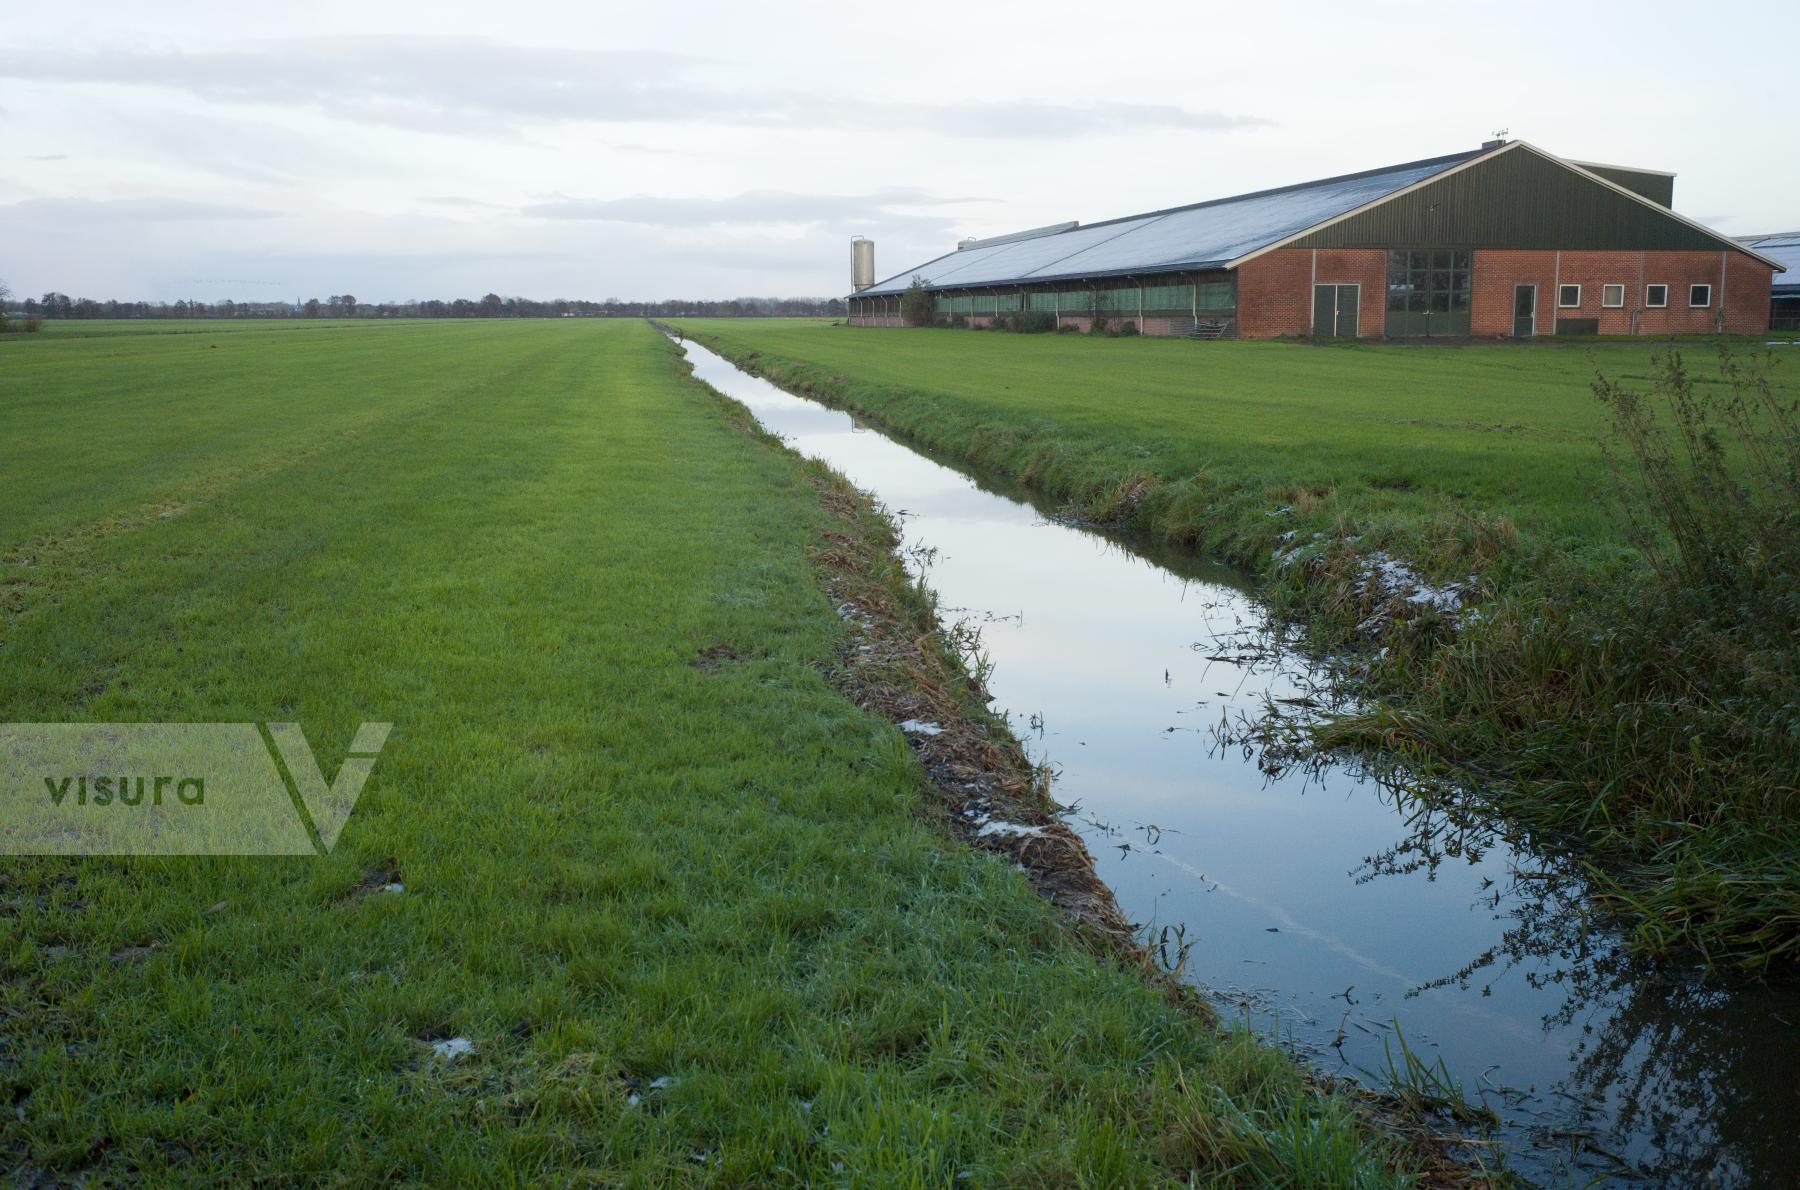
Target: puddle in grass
pixel 1314 902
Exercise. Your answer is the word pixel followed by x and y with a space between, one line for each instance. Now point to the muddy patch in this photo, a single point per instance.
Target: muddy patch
pixel 382 880
pixel 713 658
pixel 900 665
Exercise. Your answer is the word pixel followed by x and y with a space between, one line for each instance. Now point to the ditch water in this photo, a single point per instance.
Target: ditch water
pixel 1316 902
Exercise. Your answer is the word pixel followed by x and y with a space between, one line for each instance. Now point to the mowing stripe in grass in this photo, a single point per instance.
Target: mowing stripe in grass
pixel 691 917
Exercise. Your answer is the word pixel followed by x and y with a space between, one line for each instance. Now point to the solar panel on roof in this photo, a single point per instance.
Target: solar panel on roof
pixel 1780 246
pixel 1206 235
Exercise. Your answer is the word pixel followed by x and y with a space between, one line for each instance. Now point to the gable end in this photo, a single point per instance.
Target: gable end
pixel 1518 199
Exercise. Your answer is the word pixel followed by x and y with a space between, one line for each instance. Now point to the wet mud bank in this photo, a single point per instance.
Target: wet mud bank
pixel 901 663
pixel 1388 941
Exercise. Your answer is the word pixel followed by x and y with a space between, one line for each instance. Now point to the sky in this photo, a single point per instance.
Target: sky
pixel 397 150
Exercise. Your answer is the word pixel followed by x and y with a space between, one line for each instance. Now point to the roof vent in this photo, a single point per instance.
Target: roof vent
pixel 1014 237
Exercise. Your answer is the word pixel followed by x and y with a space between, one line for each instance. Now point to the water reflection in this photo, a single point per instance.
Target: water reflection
pixel 1318 898
pixel 1674 1077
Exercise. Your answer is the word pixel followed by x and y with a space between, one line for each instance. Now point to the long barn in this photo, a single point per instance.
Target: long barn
pixel 1503 241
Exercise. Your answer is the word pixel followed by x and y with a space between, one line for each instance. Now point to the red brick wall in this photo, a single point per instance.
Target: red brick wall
pixel 1747 285
pixel 1363 267
pixel 1149 326
pixel 1178 324
pixel 1496 271
pixel 1274 292
pixel 1678 270
pixel 1593 271
pixel 1745 299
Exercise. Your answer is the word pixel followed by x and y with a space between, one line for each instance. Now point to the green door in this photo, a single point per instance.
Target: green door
pixel 1524 311
pixel 1349 304
pixel 1335 310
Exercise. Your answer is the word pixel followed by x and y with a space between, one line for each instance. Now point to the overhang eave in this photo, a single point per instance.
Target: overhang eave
pixel 1161 270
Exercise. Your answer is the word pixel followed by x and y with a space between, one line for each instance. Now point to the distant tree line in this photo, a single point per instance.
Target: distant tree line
pixel 61 305
pixel 29 322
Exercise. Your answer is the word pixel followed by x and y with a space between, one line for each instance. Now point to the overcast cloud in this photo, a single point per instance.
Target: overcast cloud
pixel 114 210
pixel 213 150
pixel 755 207
pixel 480 86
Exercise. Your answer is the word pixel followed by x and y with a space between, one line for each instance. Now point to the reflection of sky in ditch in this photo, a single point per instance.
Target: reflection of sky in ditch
pixel 1102 649
pixel 1259 871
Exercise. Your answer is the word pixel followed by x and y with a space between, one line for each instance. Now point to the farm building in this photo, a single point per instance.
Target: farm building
pixel 1505 240
pixel 1784 295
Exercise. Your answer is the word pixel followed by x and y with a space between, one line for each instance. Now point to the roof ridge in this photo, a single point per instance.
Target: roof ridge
pixel 1446 159
pixel 979 269
pixel 1669 212
pixel 978 254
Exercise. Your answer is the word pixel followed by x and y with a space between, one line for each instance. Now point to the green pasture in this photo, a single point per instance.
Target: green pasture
pixel 693 919
pixel 1381 438
pixel 1630 688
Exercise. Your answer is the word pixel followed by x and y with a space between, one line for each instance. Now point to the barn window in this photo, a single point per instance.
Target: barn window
pixel 1612 296
pixel 1699 295
pixel 1214 295
pixel 1568 296
pixel 1428 292
pixel 1656 296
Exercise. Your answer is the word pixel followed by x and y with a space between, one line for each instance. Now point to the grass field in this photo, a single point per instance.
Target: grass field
pixel 1648 723
pixel 1399 438
pixel 694 918
pixel 107 328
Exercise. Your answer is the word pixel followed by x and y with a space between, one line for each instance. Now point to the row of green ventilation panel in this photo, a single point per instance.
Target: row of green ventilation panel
pixel 1152 299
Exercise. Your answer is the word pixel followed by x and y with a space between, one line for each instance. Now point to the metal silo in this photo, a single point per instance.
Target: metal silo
pixel 862 263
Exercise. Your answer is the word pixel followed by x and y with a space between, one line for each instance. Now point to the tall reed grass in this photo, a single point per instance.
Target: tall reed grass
pixel 1652 716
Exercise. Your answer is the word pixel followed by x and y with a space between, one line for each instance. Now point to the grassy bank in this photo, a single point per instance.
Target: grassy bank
pixel 1383 492
pixel 689 903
